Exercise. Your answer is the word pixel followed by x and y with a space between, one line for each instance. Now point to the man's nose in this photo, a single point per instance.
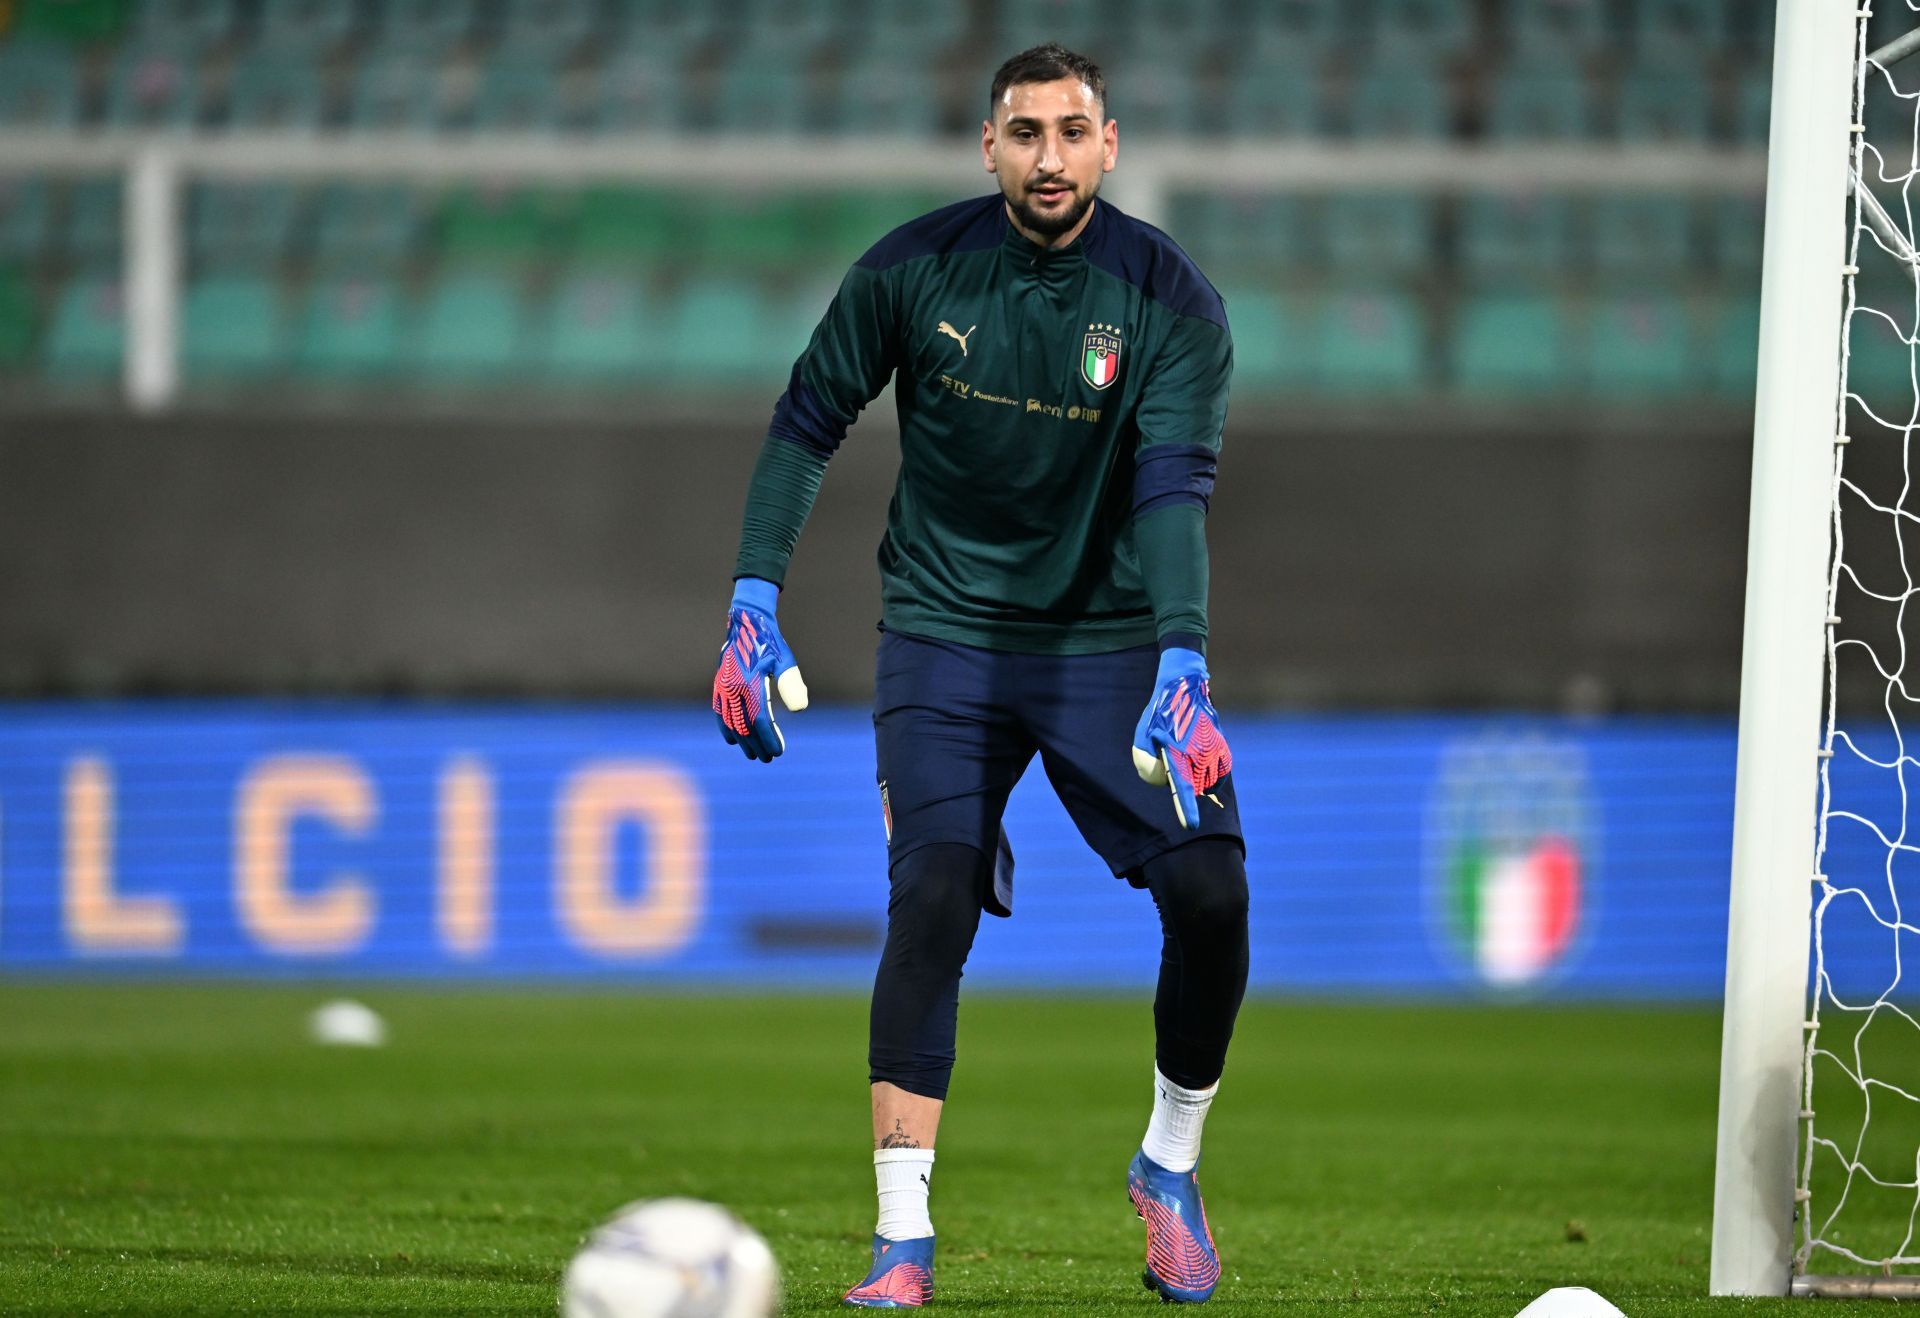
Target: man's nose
pixel 1050 160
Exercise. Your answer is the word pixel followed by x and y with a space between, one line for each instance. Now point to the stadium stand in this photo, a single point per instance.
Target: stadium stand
pixel 1391 292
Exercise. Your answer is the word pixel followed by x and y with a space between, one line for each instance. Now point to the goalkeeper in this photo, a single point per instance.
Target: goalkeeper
pixel 1061 376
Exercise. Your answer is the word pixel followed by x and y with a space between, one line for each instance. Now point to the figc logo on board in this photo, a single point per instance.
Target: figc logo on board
pixel 1511 857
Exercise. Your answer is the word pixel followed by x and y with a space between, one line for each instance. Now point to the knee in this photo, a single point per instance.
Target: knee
pixel 1202 886
pixel 936 892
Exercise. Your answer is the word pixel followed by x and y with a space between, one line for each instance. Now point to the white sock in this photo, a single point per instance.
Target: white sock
pixel 1173 1132
pixel 903 1177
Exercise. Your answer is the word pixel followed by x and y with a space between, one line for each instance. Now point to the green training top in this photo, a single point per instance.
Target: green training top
pixel 1060 418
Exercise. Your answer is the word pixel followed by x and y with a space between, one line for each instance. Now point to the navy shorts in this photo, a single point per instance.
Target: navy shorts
pixel 955 726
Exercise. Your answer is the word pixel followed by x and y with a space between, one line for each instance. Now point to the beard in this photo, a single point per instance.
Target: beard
pixel 1051 225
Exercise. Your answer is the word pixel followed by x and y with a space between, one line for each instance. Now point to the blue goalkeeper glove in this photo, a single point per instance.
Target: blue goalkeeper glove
pixel 753 662
pixel 1178 743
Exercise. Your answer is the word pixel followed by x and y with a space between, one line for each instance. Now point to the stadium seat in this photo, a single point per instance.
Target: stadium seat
pixel 39 85
pixel 232 326
pixel 19 317
pixel 498 223
pixel 305 28
pixel 1087 26
pixel 1401 101
pixel 158 88
pixel 1687 29
pixel 1733 350
pixel 913 33
pixel 879 95
pixel 26 213
pixel 1560 29
pixel 763 89
pixel 367 229
pixel 1388 233
pixel 87 334
pixel 547 29
pixel 1289 30
pixel 68 22
pixel 1156 100
pixel 1639 344
pixel 517 97
pixel 1178 31
pixel 666 31
pixel 280 92
pixel 1738 226
pixel 1511 343
pixel 1641 234
pixel 1532 106
pixel 640 92
pixel 96 222
pixel 351 327
pixel 469 325
pixel 1272 345
pixel 185 25
pixel 601 325
pixel 628 226
pixel 716 332
pixel 1517 233
pixel 1669 109
pixel 427 29
pixel 1280 99
pixel 1424 27
pixel 1370 343
pixel 799 27
pixel 396 92
pixel 1753 107
pixel 856 219
pixel 1249 234
pixel 749 232
pixel 1879 363
pixel 241 226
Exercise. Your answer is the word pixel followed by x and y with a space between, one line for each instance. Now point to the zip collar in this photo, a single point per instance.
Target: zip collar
pixel 1027 255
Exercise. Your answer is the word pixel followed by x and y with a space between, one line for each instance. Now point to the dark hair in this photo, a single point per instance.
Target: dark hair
pixel 1048 63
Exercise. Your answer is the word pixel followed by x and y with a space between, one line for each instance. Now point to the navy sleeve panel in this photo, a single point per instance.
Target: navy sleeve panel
pixel 1167 474
pixel 1145 257
pixel 965 226
pixel 801 418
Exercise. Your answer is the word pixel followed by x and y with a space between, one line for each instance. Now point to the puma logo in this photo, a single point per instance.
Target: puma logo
pixel 957 336
pixel 923 1178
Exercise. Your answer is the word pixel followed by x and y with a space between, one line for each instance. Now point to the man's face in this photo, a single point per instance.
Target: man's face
pixel 1048 143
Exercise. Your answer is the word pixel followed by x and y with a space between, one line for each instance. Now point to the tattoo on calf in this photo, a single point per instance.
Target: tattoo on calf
pixel 898 1138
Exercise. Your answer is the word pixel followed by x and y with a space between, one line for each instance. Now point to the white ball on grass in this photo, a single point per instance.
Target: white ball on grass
pixel 672 1258
pixel 1570 1302
pixel 346 1023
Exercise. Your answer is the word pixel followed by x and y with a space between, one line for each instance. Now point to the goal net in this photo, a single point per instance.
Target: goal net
pixel 1858 1194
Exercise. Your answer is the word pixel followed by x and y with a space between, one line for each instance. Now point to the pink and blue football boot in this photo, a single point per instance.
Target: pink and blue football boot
pixel 901 1277
pixel 1183 1267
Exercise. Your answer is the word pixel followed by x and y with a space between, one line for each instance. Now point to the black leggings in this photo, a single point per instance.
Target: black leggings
pixel 933 913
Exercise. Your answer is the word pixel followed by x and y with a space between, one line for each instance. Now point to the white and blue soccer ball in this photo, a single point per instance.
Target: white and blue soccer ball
pixel 672 1258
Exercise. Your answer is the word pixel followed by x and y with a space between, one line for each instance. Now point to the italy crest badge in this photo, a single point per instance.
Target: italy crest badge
pixel 1100 359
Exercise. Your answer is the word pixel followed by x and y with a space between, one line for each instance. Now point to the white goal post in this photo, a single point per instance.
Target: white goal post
pixel 1799 426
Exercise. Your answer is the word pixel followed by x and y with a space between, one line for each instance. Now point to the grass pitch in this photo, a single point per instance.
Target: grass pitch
pixel 173 1150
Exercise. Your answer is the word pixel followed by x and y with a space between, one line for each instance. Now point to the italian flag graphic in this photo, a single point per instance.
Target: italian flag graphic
pixel 1514 910
pixel 1101 364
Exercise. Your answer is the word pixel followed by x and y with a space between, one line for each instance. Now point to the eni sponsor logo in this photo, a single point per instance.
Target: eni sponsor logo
pixel 1074 413
pixel 1511 858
